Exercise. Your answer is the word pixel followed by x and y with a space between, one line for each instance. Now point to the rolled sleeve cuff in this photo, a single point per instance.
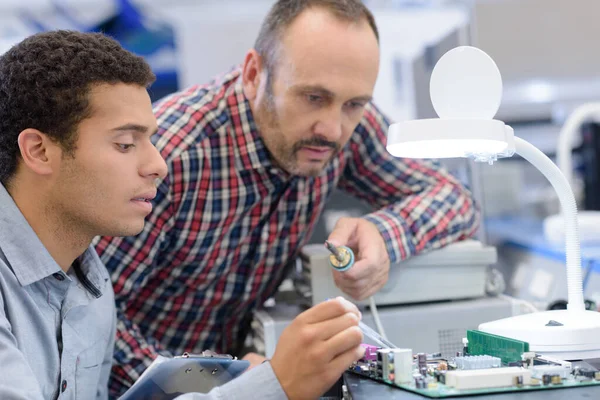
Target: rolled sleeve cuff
pixel 393 229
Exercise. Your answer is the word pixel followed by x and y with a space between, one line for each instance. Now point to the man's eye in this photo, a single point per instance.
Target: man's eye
pixel 313 98
pixel 356 104
pixel 125 146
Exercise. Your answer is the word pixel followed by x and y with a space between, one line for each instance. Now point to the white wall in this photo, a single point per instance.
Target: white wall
pixel 212 36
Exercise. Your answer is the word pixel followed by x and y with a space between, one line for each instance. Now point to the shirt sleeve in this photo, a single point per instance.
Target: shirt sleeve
pixel 17 380
pixel 420 206
pixel 258 383
pixel 102 392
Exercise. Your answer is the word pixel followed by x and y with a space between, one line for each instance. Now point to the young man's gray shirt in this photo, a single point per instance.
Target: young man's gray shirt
pixel 57 329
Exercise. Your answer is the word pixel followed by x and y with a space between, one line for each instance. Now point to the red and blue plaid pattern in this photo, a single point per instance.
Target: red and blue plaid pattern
pixel 227 220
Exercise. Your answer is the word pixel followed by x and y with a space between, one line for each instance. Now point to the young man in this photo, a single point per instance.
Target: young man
pixel 76 161
pixel 253 157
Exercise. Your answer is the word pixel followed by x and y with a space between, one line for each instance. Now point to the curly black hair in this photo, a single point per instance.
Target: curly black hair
pixel 45 82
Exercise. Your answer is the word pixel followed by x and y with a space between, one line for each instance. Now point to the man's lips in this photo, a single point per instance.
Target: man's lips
pixel 143 200
pixel 316 153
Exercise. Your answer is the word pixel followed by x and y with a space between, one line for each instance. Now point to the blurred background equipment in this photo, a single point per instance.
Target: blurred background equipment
pixel 139 28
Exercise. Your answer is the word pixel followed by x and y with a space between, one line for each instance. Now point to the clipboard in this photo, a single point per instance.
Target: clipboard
pixel 167 378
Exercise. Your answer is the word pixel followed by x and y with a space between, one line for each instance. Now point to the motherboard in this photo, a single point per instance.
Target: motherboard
pixel 487 364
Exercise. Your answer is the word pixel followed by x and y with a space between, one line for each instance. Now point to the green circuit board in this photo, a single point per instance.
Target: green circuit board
pixel 490 364
pixel 443 391
pixel 508 350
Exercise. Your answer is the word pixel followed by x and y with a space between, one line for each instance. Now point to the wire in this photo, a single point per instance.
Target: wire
pixel 375 313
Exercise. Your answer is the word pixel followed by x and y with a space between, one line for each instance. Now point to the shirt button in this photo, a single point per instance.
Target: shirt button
pixel 64 385
pixel 59 276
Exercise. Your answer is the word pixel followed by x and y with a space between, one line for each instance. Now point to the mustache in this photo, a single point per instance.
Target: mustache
pixel 315 142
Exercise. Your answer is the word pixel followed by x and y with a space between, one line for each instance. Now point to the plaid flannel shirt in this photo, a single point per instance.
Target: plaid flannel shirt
pixel 227 220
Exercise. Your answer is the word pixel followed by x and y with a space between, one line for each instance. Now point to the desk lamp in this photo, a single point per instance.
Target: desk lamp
pixel 466 90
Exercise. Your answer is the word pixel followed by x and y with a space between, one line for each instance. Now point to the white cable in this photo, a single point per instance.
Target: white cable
pixel 375 313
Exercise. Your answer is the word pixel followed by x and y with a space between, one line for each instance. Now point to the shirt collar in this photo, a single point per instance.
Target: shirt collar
pixel 28 258
pixel 251 151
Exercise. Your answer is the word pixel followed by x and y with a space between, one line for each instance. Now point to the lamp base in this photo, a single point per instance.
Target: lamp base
pixel 563 334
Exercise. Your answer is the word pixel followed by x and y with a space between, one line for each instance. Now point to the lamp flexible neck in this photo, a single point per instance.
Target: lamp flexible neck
pixel 569 211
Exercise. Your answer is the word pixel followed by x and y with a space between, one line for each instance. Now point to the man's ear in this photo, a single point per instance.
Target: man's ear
pixel 252 73
pixel 38 151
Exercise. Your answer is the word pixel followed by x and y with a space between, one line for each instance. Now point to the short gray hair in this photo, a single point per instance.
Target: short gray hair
pixel 284 12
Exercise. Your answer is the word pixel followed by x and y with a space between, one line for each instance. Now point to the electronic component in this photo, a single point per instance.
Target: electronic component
pixel 547 360
pixel 403 365
pixel 508 350
pixel 583 370
pixel 432 376
pixel 477 362
pixel 546 379
pixel 420 382
pixel 539 371
pixel 396 365
pixel 370 352
pixel 386 358
pixel 465 343
pixel 527 358
pixel 519 380
pixel 486 378
pixel 421 361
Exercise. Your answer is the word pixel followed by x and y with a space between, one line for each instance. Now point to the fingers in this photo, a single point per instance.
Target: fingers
pixel 328 329
pixel 345 360
pixel 342 232
pixel 363 288
pixel 328 310
pixel 344 341
pixel 353 289
pixel 362 269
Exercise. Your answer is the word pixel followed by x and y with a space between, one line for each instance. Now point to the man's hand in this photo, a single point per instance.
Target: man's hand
pixel 255 360
pixel 316 348
pixel 372 265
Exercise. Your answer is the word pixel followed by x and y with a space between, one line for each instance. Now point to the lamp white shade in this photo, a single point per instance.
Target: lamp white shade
pixel 482 139
pixel 466 84
pixel 466 90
